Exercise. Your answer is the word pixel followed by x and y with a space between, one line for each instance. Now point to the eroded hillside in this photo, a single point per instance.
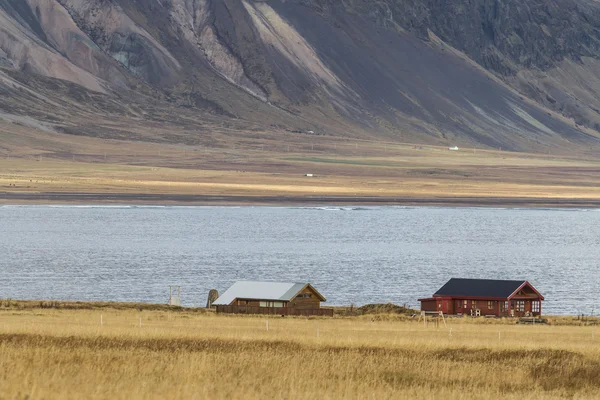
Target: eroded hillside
pixel 488 73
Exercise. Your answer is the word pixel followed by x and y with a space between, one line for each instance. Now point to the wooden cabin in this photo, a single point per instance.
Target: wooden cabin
pixel 276 298
pixel 481 297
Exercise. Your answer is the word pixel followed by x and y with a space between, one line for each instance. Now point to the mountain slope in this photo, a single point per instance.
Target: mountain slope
pixel 487 73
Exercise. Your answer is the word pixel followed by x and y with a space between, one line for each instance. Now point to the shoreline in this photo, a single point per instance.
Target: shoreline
pixel 382 309
pixel 25 198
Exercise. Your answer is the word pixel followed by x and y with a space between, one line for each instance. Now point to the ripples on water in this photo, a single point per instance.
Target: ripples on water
pixel 353 255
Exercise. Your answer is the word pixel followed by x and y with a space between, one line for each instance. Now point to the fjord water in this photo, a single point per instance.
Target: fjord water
pixel 354 255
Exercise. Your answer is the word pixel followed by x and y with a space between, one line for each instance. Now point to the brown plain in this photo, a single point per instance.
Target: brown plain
pixel 276 164
pixel 67 354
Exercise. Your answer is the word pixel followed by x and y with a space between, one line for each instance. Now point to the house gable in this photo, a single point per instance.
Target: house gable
pixel 306 291
pixel 526 290
pixel 307 298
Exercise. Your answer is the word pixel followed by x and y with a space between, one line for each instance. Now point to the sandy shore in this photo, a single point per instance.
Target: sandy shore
pixel 189 199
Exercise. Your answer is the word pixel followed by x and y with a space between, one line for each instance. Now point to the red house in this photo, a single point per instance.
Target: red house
pixel 477 297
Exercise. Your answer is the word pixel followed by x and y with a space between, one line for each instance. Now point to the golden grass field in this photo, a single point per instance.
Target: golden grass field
pixel 67 354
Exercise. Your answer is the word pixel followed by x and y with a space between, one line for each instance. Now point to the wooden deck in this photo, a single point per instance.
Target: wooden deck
pixel 318 312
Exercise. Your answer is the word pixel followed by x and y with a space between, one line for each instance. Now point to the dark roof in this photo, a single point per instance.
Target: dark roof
pixel 479 288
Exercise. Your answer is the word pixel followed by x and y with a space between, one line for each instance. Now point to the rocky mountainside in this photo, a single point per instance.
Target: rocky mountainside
pixel 496 73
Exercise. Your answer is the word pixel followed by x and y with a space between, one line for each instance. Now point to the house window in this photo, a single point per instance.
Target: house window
pixel 473 304
pixel 503 306
pixel 304 296
pixel 535 306
pixel 490 305
pixel 520 306
pixel 465 304
pixel 271 304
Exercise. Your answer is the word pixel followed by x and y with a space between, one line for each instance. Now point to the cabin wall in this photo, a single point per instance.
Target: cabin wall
pixel 256 303
pixel 448 307
pixel 497 307
pixel 429 305
pixel 306 299
pixel 235 309
pixel 525 307
pixel 485 307
pixel 488 307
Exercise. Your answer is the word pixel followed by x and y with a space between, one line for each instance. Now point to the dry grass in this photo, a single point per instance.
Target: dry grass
pixel 271 175
pixel 50 353
pixel 274 165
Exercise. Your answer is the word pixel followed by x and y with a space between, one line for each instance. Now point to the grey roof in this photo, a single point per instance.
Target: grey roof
pixel 479 288
pixel 273 291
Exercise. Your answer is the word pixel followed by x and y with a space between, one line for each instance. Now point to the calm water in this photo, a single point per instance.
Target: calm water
pixel 352 255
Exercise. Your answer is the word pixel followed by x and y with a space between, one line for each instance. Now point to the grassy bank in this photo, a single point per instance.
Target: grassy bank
pixel 55 352
pixel 341 168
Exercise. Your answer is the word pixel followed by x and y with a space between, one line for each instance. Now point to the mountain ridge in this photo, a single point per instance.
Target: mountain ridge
pixel 483 73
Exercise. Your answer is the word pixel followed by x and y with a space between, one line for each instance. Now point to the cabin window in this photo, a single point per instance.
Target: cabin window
pixel 271 304
pixel 503 306
pixel 473 304
pixel 490 305
pixel 465 304
pixel 457 304
pixel 266 304
pixel 304 296
pixel 535 306
pixel 520 305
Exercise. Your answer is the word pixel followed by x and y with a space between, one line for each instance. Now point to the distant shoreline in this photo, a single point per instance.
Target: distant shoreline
pixel 23 198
